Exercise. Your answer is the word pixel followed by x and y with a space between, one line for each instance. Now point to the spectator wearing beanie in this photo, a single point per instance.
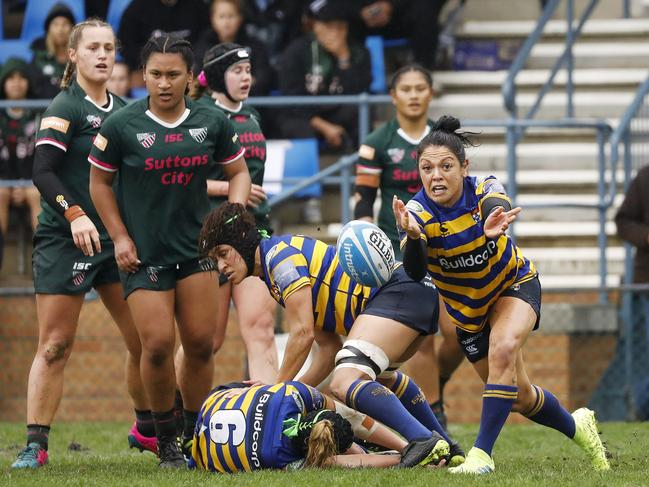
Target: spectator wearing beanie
pixel 51 50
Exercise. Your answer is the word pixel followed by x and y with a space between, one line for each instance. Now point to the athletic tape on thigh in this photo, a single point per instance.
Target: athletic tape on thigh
pixel 363 356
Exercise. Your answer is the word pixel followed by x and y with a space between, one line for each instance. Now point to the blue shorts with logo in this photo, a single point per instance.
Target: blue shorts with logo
pixel 476 345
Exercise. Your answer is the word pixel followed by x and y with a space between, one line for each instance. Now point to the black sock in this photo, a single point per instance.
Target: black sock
pixel 190 418
pixel 442 384
pixel 165 424
pixel 437 406
pixel 178 413
pixel 144 423
pixel 38 433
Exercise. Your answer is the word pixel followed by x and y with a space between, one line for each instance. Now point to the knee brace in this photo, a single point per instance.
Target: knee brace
pixel 363 356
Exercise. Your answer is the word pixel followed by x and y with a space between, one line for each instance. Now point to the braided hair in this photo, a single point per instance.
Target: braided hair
pixel 445 133
pixel 165 43
pixel 321 435
pixel 73 43
pixel 231 224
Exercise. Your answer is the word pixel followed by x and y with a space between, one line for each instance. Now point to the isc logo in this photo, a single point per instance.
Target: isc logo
pixel 81 266
pixel 171 138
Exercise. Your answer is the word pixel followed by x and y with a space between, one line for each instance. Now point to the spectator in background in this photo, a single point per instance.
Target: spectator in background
pixel 120 80
pixel 51 51
pixel 226 17
pixel 17 134
pixel 149 18
pixel 274 22
pixel 324 62
pixel 416 20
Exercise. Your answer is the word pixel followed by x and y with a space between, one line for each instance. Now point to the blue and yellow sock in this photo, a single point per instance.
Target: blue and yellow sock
pixel 548 411
pixel 410 395
pixel 497 402
pixel 377 401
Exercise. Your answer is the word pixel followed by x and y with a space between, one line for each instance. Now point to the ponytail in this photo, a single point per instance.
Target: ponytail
pixel 321 446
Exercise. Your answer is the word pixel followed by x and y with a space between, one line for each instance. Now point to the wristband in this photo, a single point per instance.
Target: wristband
pixel 73 213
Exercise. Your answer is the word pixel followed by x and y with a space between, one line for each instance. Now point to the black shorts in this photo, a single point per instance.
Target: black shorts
pixel 163 277
pixel 59 267
pixel 476 345
pixel 415 304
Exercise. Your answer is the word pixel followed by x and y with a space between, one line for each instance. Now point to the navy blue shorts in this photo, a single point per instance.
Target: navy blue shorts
pixel 476 345
pixel 415 304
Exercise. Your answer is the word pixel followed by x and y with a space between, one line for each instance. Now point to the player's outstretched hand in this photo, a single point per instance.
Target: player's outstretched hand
pixel 498 221
pixel 85 235
pixel 126 255
pixel 403 219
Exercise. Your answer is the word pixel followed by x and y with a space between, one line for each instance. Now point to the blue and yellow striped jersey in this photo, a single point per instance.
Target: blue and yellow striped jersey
pixel 244 433
pixel 469 270
pixel 292 262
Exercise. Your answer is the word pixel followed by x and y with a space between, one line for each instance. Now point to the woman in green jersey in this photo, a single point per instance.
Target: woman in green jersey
pixel 72 250
pixel 227 77
pixel 162 149
pixel 388 161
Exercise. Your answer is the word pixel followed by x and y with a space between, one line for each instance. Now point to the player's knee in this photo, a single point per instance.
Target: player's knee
pixel 56 351
pixel 157 352
pixel 357 359
pixel 199 350
pixel 502 354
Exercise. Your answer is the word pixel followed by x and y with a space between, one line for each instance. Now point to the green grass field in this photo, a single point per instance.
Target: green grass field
pixel 525 455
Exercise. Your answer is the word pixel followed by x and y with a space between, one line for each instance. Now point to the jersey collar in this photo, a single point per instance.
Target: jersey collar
pixel 409 139
pixel 171 125
pixel 227 109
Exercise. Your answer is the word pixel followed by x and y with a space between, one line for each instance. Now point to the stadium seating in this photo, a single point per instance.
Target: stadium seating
pixel 294 158
pixel 115 10
pixel 15 48
pixel 37 11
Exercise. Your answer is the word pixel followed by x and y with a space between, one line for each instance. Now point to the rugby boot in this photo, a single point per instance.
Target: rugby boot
pixel 32 456
pixel 438 410
pixel 477 462
pixel 169 454
pixel 422 452
pixel 456 456
pixel 141 442
pixel 587 437
pixel 186 447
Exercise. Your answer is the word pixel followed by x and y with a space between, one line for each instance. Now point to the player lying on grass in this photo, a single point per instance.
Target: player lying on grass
pixel 287 425
pixel 304 276
pixel 454 230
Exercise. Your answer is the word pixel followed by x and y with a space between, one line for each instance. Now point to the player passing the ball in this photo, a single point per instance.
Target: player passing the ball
pixel 161 149
pixel 322 303
pixel 455 229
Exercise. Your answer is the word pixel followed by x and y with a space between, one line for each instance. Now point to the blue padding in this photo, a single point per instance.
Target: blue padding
pixel 374 45
pixel 37 11
pixel 115 11
pixel 388 43
pixel 15 48
pixel 301 160
pixel 138 93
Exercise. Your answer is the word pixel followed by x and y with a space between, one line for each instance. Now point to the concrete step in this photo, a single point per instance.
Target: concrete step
pixel 593 54
pixel 554 29
pixel 517 10
pixel 587 104
pixel 543 155
pixel 577 260
pixel 550 180
pixel 576 282
pixel 449 82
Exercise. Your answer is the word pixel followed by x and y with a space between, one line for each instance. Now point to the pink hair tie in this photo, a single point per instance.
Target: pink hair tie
pixel 202 80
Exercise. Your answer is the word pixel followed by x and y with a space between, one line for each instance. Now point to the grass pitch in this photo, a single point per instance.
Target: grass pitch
pixel 525 455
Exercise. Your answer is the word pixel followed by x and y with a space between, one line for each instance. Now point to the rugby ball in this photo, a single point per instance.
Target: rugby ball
pixel 365 253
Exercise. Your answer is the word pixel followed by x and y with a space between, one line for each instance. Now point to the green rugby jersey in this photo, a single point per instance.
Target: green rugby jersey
pixel 391 154
pixel 71 123
pixel 246 122
pixel 162 170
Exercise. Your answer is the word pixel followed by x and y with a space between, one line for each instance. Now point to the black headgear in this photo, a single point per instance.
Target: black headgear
pixel 246 242
pixel 218 60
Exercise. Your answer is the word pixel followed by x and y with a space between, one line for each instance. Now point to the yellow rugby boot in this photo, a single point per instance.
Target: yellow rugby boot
pixel 587 437
pixel 477 462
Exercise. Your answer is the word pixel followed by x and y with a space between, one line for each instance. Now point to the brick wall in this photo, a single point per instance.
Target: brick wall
pixel 567 365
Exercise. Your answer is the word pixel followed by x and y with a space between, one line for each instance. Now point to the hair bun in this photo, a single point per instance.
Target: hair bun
pixel 447 123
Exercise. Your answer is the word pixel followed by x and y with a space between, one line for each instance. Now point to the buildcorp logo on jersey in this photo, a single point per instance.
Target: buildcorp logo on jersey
pixel 471 261
pixel 173 169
